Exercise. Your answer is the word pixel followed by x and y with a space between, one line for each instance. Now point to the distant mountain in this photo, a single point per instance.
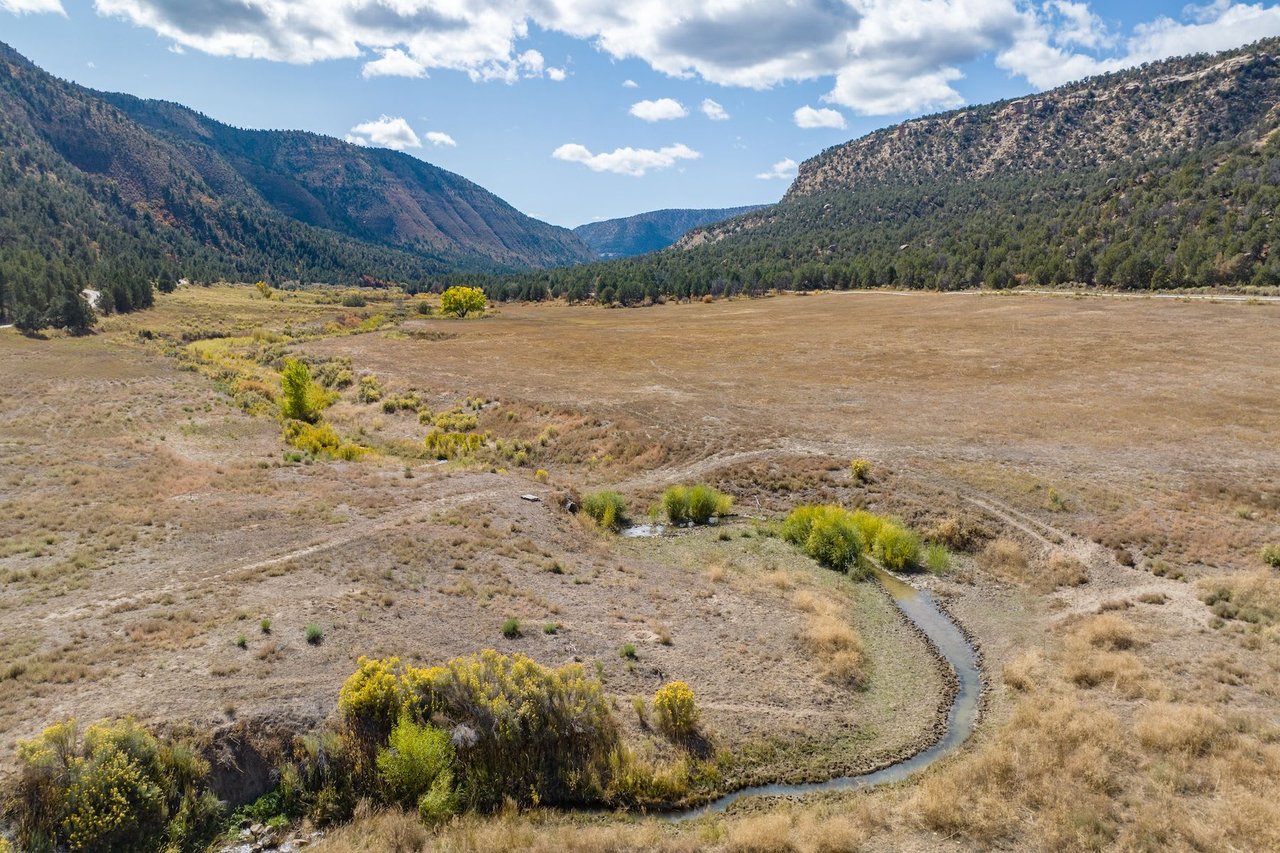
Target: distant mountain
pixel 1133 174
pixel 98 187
pixel 649 232
pixel 1163 175
pixel 376 195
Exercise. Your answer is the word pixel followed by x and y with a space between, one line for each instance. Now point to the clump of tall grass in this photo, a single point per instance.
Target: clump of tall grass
pixel 838 538
pixel 695 504
pixel 937 558
pixel 607 508
pixel 1270 554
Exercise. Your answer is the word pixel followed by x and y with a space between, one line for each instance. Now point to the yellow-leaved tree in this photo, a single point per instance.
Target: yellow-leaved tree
pixel 461 301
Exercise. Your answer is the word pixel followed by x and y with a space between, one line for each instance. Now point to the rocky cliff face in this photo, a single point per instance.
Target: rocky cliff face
pixel 1164 108
pixel 1159 110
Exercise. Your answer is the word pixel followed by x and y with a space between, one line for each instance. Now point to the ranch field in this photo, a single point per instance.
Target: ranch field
pixel 1104 472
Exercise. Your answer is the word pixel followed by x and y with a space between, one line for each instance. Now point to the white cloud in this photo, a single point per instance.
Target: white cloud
pixel 385 132
pixel 662 109
pixel 1045 52
pixel 883 57
pixel 394 63
pixel 531 63
pixel 807 117
pixel 630 84
pixel 556 74
pixel 1079 25
pixel 626 161
pixel 713 110
pixel 782 170
pixel 22 7
pixel 438 138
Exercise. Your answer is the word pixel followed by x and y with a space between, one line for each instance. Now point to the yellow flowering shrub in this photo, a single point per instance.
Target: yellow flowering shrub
pixel 675 709
pixel 370 698
pixel 455 421
pixel 321 440
pixel 453 445
pixel 118 788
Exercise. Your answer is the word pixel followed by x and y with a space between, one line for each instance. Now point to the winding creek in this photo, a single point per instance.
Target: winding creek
pixel 947 639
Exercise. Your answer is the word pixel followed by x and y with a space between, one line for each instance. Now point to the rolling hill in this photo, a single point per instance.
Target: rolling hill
pixel 111 190
pixel 649 232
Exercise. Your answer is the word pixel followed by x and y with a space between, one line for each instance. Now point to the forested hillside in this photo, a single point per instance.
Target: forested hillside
pixel 651 231
pixel 118 194
pixel 1166 175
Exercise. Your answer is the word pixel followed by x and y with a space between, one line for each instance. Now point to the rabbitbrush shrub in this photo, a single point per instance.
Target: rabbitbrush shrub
pixel 416 768
pixel 676 710
pixel 697 504
pixel 117 789
pixel 607 509
pixel 837 538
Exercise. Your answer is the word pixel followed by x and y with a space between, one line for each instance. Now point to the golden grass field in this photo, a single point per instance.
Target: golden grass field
pixel 1104 469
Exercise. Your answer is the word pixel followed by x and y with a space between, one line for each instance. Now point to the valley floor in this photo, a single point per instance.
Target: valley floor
pixel 1106 472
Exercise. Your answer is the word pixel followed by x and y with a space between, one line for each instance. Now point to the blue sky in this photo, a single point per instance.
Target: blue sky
pixel 576 110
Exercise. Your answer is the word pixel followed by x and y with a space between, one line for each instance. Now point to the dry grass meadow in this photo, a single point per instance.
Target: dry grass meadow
pixel 1104 471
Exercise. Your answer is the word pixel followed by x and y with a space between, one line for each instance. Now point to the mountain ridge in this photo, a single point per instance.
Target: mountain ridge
pixel 403 202
pixel 652 230
pixel 977 142
pixel 1165 175
pixel 119 192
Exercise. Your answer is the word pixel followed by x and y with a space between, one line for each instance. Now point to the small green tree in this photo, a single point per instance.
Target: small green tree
pixel 461 301
pixel 298 400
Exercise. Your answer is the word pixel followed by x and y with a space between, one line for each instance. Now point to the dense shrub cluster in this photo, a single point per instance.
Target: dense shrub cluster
pixel 608 509
pixel 477 733
pixel 321 441
pixel 452 445
pixel 828 535
pixel 455 420
pixel 838 538
pixel 696 504
pixel 116 788
pixel 369 390
pixel 302 399
pixel 520 731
